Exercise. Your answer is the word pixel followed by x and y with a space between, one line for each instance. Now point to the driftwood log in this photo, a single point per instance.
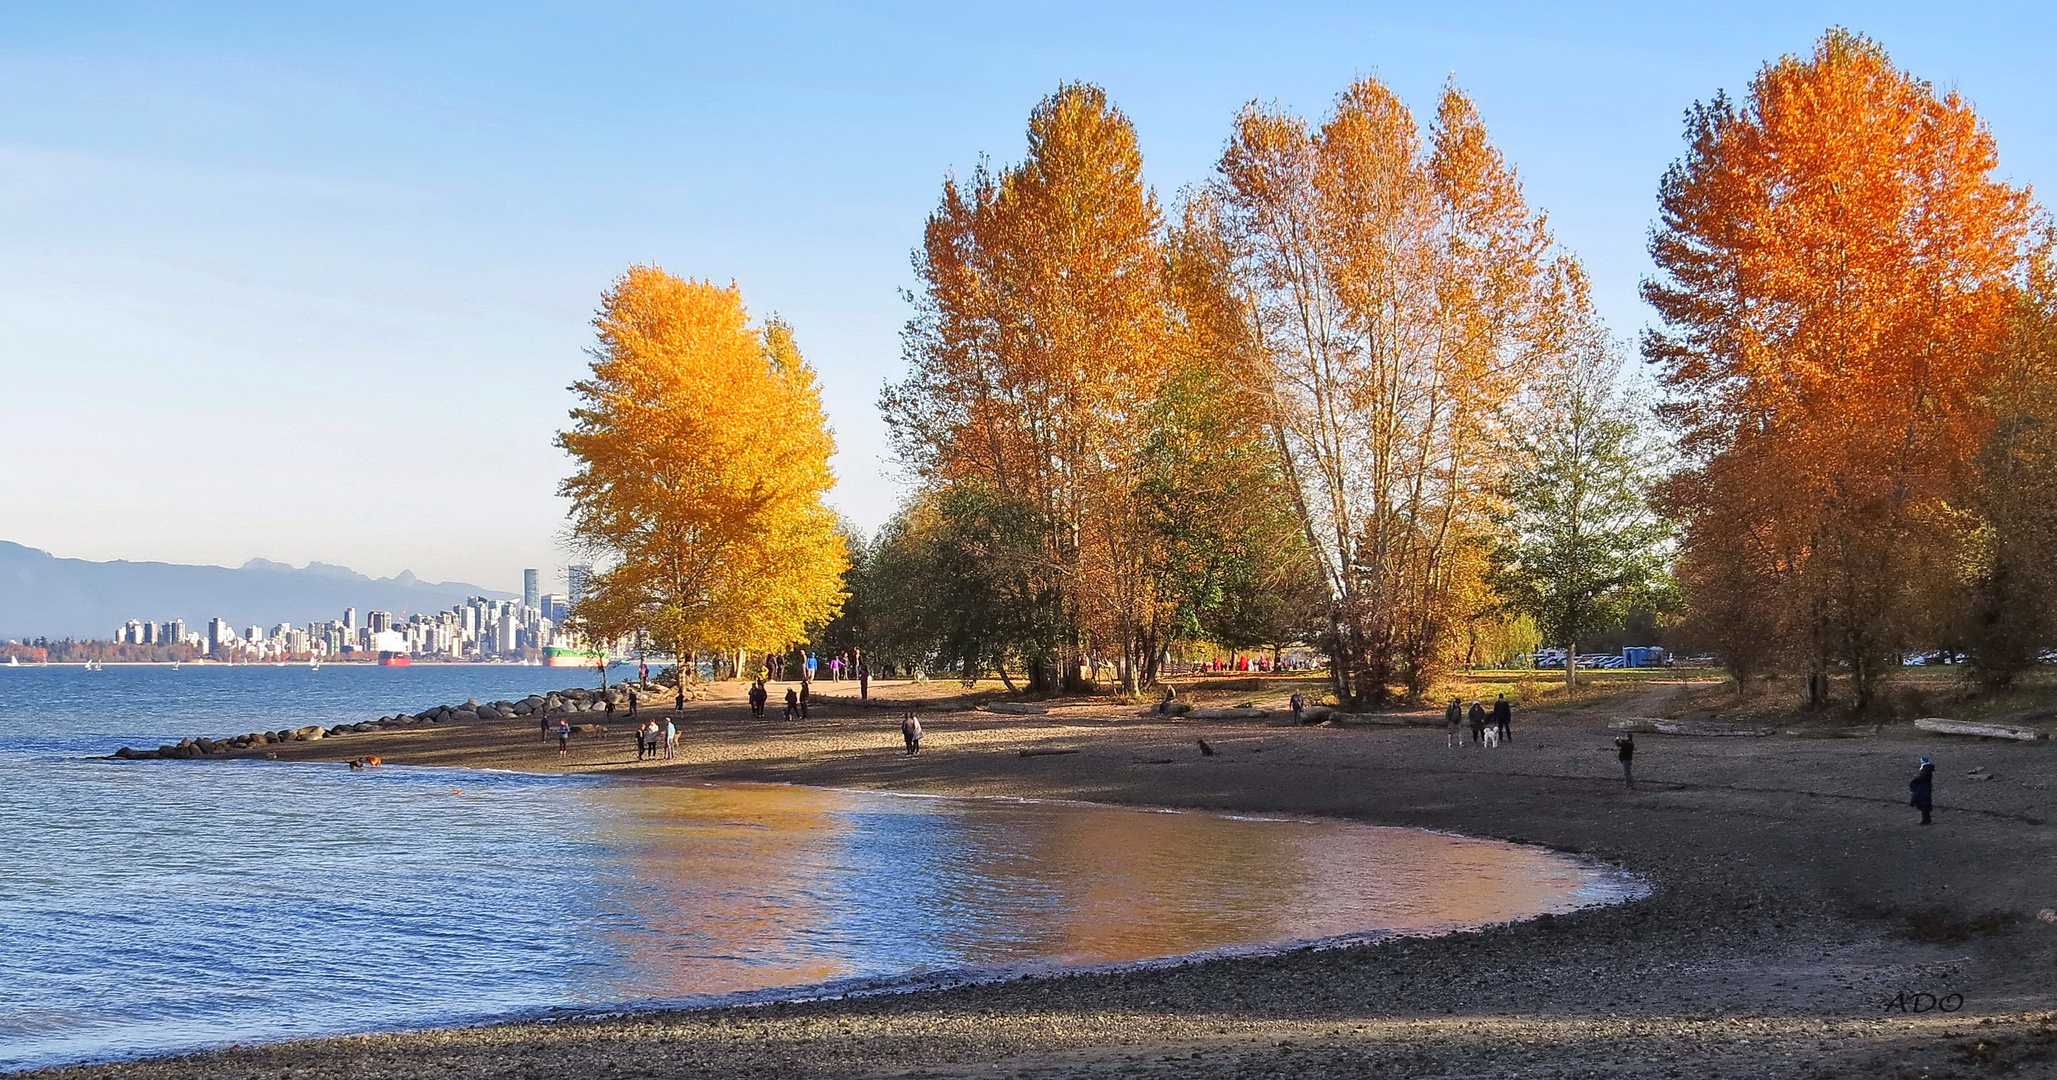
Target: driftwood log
pixel 1655 725
pixel 1046 753
pixel 1940 726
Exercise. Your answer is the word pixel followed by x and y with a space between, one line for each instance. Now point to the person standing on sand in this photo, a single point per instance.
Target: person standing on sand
pixel 1478 724
pixel 543 727
pixel 757 698
pixel 563 737
pixel 642 740
pixel 1503 718
pixel 1453 718
pixel 910 732
pixel 1299 704
pixel 671 740
pixel 1923 788
pixel 632 704
pixel 792 703
pixel 1625 749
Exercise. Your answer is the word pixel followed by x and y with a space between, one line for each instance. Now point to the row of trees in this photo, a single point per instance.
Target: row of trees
pixel 1350 392
pixel 1336 399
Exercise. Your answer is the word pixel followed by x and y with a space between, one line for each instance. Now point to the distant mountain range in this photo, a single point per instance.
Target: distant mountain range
pixel 42 595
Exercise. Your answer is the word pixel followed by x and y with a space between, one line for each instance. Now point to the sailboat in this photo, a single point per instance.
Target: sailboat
pixel 14 661
pixel 313 663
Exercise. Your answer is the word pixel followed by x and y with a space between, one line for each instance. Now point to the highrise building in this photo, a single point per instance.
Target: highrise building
pixel 381 621
pixel 349 618
pixel 575 578
pixel 531 587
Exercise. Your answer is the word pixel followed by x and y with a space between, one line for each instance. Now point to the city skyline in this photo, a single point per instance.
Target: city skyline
pixel 371 243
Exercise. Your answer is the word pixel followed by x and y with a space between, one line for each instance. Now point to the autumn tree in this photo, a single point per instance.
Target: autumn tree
pixel 1584 545
pixel 1401 294
pixel 702 457
pixel 1837 266
pixel 1036 351
pixel 2009 583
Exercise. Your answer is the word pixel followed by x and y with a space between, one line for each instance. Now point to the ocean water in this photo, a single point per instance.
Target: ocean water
pixel 166 905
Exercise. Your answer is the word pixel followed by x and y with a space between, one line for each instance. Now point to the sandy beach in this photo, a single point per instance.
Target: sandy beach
pixel 1802 923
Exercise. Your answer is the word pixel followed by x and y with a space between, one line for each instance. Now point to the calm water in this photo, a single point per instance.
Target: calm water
pixel 165 905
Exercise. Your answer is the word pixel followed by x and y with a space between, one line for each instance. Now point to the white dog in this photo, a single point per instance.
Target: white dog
pixel 1492 737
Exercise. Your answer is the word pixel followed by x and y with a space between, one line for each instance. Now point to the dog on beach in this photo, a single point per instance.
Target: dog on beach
pixel 371 762
pixel 1492 737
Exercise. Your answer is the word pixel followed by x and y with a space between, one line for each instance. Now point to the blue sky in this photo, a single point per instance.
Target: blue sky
pixel 309 283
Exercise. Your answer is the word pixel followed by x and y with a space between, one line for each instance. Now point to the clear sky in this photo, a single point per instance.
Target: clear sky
pixel 309 282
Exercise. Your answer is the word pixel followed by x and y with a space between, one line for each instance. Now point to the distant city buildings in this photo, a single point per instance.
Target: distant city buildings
pixel 478 629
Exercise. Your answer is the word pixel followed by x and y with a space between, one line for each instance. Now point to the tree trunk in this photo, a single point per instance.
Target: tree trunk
pixel 1571 665
pixel 1008 682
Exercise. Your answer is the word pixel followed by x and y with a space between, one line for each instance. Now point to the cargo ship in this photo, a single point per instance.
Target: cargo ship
pixel 563 656
pixel 395 659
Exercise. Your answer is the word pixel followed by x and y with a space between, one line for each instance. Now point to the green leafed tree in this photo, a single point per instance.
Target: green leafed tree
pixel 1585 546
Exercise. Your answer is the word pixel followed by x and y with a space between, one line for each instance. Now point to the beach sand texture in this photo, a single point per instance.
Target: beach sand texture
pixel 1796 902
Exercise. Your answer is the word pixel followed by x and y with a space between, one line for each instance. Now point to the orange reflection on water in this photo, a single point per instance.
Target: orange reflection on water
pixel 750 887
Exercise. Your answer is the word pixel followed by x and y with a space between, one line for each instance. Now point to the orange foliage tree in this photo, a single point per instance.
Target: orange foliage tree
pixel 703 457
pixel 1837 268
pixel 1046 335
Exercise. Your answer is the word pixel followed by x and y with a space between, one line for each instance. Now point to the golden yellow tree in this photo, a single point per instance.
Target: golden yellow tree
pixel 703 457
pixel 1404 297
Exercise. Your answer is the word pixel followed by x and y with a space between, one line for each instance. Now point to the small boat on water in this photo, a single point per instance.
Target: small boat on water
pixel 313 664
pixel 14 661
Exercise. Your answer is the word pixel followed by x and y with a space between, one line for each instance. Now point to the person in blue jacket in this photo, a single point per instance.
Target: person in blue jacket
pixel 1923 786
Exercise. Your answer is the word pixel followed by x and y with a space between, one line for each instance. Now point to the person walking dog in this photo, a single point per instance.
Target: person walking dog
pixel 1478 724
pixel 1453 719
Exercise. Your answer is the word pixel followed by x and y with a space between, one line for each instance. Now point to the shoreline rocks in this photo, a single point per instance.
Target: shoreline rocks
pixel 572 700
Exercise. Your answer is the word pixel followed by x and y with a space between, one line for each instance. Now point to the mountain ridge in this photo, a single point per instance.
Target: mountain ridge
pixel 44 595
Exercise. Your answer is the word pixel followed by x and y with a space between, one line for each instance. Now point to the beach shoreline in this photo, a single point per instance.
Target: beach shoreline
pixel 1794 901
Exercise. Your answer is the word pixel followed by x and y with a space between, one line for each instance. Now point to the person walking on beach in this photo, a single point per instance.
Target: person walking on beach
pixel 543 727
pixel 792 703
pixel 758 695
pixel 1503 719
pixel 1453 719
pixel 563 737
pixel 1478 724
pixel 671 740
pixel 1923 788
pixel 1625 749
pixel 632 704
pixel 642 740
pixel 910 733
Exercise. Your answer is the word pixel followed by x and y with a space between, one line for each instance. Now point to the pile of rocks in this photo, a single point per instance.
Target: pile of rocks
pixel 577 699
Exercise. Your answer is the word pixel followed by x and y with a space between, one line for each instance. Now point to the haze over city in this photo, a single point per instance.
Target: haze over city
pixel 310 285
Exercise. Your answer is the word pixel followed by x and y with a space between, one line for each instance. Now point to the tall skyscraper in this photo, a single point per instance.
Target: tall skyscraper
pixel 349 618
pixel 575 577
pixel 531 587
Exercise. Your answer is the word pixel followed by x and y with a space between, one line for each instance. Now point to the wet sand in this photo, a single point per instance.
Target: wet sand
pixel 1796 901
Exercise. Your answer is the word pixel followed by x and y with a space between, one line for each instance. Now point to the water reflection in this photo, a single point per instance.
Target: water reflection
pixel 753 887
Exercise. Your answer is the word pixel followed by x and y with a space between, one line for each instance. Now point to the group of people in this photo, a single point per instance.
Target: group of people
pixel 651 740
pixel 1487 729
pixel 796 700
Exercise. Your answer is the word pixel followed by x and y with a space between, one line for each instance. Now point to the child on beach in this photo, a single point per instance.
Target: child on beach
pixel 563 737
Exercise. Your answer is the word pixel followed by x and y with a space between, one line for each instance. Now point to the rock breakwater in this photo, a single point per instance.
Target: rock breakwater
pixel 567 702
